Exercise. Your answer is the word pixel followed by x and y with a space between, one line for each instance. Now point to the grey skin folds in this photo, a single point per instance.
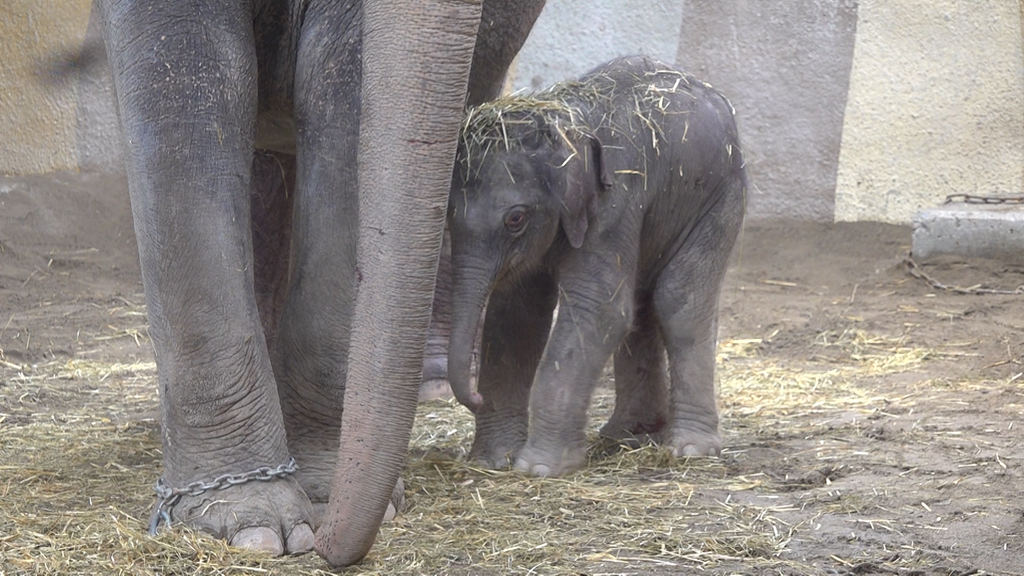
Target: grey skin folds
pixel 288 166
pixel 616 198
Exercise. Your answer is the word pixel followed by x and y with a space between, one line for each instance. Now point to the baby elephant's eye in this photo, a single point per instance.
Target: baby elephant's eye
pixel 515 220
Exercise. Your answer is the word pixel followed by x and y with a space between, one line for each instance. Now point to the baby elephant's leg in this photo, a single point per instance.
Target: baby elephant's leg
pixel 641 389
pixel 592 321
pixel 515 332
pixel 686 301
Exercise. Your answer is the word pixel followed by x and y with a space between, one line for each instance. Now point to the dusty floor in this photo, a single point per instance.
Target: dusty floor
pixel 870 419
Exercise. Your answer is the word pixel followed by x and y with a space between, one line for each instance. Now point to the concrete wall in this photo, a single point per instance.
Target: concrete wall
pixel 848 110
pixel 786 67
pixel 935 107
pixel 568 39
pixel 37 124
pixel 49 127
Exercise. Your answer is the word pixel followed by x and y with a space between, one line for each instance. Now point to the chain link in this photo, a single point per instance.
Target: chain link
pixel 915 270
pixel 168 497
pixel 974 199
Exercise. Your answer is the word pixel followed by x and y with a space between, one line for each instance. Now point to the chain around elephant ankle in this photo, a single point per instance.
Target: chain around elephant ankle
pixel 168 497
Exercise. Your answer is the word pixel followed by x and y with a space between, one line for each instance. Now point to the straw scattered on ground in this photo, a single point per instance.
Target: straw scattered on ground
pixel 78 464
pixel 872 425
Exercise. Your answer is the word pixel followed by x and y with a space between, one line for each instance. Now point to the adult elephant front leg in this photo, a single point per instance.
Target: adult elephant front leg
pixel 184 75
pixel 311 349
pixel 416 58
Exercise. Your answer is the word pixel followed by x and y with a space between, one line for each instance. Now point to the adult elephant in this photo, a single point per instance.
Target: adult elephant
pixel 253 352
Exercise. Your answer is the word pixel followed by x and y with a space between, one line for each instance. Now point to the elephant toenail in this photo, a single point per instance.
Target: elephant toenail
pixel 390 513
pixel 260 539
pixel 300 540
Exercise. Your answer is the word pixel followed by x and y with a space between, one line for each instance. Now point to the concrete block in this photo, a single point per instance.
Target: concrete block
pixel 978 230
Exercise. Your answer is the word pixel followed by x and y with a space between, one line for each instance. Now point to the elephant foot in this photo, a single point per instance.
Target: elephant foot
pixel 435 385
pixel 435 369
pixel 315 473
pixel 271 516
pixel 537 462
pixel 631 434
pixel 498 457
pixel 496 448
pixel 437 389
pixel 609 445
pixel 687 443
pixel 633 431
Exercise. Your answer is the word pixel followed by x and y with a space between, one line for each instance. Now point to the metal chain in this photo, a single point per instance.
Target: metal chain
pixel 974 199
pixel 168 497
pixel 915 270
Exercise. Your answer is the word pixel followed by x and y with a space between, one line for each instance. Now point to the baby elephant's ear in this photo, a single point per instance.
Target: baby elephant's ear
pixel 579 175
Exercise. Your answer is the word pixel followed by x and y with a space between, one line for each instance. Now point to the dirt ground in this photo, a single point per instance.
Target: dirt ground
pixel 869 418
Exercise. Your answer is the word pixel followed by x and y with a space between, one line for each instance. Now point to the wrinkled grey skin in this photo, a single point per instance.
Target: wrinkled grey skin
pixel 435 361
pixel 628 231
pixel 243 121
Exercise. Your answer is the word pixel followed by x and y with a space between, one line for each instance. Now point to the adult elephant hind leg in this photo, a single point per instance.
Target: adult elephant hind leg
pixel 641 382
pixel 435 383
pixel 504 27
pixel 312 342
pixel 184 79
pixel 273 187
pixel 686 303
pixel 435 359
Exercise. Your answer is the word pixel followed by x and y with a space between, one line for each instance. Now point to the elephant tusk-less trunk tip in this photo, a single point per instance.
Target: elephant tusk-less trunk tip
pixel 336 554
pixel 473 400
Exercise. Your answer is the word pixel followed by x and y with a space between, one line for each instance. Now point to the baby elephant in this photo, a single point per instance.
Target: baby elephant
pixel 615 200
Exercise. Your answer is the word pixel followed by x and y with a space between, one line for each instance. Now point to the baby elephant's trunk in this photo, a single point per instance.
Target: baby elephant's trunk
pixel 469 298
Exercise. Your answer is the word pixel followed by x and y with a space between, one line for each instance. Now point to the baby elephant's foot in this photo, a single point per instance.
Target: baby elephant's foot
pixel 497 440
pixel 686 443
pixel 496 456
pixel 537 462
pixel 632 434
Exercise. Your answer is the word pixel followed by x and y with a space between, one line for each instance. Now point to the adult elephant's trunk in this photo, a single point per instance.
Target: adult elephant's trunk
pixel 469 293
pixel 416 59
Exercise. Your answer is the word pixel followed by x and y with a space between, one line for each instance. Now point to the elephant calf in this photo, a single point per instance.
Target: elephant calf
pixel 618 198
